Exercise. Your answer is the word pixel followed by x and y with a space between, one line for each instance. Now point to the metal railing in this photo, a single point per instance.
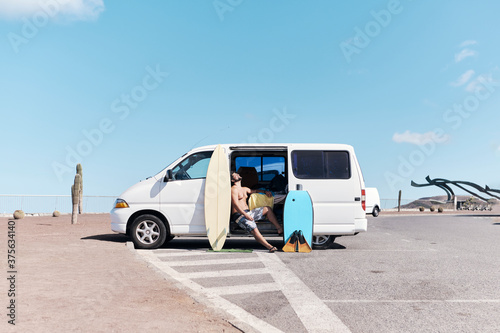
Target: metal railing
pixel 393 203
pixel 40 204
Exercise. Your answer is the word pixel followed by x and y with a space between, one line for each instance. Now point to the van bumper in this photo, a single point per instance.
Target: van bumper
pixel 360 225
pixel 119 218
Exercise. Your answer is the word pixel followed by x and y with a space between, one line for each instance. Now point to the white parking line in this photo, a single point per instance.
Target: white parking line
pixel 414 301
pixel 211 262
pixel 181 254
pixel 226 273
pixel 361 250
pixel 315 315
pixel 209 295
pixel 245 289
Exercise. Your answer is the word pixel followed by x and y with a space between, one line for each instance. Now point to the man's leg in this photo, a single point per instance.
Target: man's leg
pixel 259 238
pixel 268 212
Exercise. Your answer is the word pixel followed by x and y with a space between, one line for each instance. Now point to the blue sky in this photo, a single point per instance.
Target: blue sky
pixel 127 87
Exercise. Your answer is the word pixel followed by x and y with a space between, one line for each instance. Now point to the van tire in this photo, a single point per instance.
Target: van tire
pixel 323 242
pixel 148 232
pixel 375 211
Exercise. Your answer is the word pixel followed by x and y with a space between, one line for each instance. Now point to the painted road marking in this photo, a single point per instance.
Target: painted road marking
pixel 414 301
pixel 207 295
pixel 245 289
pixel 315 315
pixel 211 262
pixel 226 273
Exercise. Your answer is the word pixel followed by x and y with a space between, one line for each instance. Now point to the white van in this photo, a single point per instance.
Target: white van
pixel 171 203
pixel 372 201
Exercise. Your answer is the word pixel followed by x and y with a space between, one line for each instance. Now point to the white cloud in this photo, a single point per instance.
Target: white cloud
pixel 468 43
pixel 67 9
pixel 463 79
pixel 465 53
pixel 420 138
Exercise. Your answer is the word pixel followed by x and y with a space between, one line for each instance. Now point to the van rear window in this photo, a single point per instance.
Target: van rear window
pixel 317 164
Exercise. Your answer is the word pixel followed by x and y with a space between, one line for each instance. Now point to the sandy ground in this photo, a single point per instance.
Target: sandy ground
pixel 83 278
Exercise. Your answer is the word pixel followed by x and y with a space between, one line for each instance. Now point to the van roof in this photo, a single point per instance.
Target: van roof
pixel 277 146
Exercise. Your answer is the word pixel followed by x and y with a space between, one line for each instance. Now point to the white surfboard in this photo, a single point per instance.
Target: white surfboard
pixel 217 199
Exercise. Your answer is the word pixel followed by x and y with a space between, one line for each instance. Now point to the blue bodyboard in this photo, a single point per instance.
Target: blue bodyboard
pixel 298 215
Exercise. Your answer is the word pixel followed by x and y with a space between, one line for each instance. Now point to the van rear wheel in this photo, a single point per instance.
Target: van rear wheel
pixel 375 211
pixel 148 232
pixel 323 242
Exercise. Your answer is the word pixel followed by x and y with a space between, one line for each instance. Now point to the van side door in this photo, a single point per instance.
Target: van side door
pixel 327 175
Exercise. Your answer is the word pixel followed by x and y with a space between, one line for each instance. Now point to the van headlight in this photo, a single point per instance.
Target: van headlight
pixel 120 203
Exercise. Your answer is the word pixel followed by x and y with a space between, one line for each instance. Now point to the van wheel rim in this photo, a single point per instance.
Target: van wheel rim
pixel 147 232
pixel 319 240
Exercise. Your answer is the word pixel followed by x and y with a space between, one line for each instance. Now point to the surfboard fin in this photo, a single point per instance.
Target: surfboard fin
pixel 291 244
pixel 303 245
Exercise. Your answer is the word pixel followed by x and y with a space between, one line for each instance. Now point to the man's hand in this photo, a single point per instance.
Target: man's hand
pixel 248 217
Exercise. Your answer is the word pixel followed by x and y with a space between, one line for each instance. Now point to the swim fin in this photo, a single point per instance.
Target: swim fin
pixel 291 244
pixel 303 245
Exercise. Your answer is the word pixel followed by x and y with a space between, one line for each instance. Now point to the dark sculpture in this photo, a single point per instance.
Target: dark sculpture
pixel 444 185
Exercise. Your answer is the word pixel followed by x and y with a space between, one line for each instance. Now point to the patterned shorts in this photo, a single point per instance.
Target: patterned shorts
pixel 247 225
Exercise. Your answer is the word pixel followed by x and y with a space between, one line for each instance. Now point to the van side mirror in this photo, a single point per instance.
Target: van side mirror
pixel 168 176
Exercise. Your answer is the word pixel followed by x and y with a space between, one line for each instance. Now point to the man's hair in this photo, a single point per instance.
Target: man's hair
pixel 232 180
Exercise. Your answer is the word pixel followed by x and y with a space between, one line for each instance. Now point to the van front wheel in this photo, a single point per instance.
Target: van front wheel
pixel 148 232
pixel 323 242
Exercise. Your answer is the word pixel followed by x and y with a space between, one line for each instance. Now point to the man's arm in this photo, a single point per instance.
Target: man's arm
pixel 269 194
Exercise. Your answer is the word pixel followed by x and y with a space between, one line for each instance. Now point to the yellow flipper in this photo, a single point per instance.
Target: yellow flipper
pixel 291 244
pixel 303 245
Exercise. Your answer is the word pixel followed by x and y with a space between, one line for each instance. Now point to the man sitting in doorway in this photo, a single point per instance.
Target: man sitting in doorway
pixel 241 214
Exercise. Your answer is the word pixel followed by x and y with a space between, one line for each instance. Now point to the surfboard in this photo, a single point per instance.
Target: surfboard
pixel 298 215
pixel 217 199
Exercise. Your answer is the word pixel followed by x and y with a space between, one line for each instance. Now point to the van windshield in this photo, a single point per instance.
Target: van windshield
pixel 195 166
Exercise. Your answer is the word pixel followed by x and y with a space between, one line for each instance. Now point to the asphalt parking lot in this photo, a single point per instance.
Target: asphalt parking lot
pixel 432 273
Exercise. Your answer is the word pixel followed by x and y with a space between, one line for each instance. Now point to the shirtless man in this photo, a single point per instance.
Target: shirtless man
pixel 241 214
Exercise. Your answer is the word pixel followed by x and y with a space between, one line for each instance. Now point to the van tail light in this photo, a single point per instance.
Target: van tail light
pixel 363 199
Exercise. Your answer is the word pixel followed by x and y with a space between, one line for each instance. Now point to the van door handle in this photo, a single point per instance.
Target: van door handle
pixel 357 199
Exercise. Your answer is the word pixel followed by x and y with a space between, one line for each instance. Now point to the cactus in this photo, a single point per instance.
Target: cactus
pixel 79 172
pixel 19 214
pixel 440 209
pixel 75 195
pixel 56 213
pixel 421 208
pixel 432 208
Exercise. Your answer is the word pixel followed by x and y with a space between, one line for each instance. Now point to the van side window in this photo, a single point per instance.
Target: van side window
pixel 193 167
pixel 316 164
